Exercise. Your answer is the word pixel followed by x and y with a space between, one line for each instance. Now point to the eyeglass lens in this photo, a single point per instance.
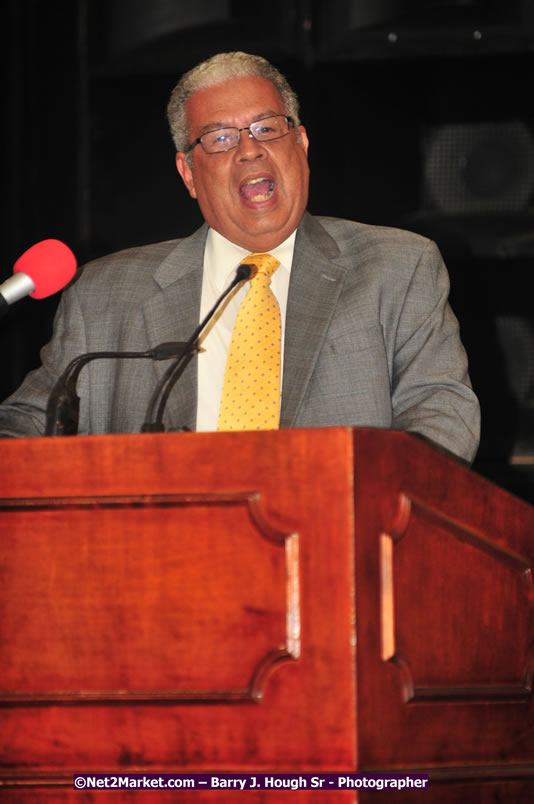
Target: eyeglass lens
pixel 223 139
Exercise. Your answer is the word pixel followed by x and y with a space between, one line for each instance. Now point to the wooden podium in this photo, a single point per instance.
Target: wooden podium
pixel 326 600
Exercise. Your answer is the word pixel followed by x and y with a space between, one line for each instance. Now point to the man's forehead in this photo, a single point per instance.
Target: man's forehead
pixel 236 101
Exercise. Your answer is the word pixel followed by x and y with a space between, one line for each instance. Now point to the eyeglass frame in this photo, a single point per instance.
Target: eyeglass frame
pixel 289 120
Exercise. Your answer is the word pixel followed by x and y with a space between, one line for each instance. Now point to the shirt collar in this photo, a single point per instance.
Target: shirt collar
pixel 222 257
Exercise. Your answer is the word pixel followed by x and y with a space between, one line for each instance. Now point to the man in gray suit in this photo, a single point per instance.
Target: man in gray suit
pixel 368 336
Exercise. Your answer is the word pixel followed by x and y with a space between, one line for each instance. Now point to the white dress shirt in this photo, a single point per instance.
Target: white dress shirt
pixel 221 258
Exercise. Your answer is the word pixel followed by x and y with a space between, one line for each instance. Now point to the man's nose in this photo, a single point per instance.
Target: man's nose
pixel 248 147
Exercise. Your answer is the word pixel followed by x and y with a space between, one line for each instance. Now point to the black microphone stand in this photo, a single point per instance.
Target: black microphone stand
pixel 62 412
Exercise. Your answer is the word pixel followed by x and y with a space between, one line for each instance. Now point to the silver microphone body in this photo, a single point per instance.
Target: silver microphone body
pixel 17 287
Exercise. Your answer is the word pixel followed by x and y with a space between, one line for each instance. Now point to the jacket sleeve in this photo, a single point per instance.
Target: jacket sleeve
pixel 431 390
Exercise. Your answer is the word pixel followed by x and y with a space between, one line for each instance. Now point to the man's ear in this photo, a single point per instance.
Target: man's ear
pixel 186 173
pixel 304 139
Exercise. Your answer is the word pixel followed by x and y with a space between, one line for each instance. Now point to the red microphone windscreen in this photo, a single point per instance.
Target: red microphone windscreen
pixel 50 264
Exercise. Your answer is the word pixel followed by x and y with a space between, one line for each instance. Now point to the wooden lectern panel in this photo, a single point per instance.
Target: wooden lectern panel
pixel 157 595
pixel 445 649
pixel 302 600
pixel 217 611
pixel 474 573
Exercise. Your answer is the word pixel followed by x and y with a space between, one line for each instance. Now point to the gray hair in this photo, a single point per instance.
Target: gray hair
pixel 215 70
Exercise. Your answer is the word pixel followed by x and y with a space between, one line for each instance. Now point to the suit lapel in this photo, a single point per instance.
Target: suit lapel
pixel 317 277
pixel 172 314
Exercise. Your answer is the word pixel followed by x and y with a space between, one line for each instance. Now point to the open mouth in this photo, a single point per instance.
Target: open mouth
pixel 258 189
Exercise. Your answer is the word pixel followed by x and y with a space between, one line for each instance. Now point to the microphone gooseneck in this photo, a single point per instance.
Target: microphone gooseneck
pixel 163 389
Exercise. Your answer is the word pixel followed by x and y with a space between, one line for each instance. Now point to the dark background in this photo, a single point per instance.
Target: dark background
pixel 419 112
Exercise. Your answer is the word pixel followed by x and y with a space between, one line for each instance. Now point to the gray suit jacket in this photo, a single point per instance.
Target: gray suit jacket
pixel 370 339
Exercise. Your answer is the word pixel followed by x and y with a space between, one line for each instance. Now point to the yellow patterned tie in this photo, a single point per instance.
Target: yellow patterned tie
pixel 251 389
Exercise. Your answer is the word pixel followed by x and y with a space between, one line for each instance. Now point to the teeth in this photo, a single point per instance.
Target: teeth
pixel 264 196
pixel 260 179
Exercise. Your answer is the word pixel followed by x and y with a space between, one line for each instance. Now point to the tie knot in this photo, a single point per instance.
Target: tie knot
pixel 265 263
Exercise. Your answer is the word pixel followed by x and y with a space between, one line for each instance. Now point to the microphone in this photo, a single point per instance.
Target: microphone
pixel 42 270
pixel 164 387
pixel 62 412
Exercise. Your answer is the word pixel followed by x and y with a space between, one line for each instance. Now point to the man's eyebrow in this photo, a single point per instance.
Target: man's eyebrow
pixel 219 124
pixel 211 126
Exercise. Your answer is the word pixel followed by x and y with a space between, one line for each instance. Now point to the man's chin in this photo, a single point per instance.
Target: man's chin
pixel 258 230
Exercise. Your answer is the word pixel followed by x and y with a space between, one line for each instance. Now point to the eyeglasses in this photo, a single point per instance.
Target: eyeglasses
pixel 224 139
